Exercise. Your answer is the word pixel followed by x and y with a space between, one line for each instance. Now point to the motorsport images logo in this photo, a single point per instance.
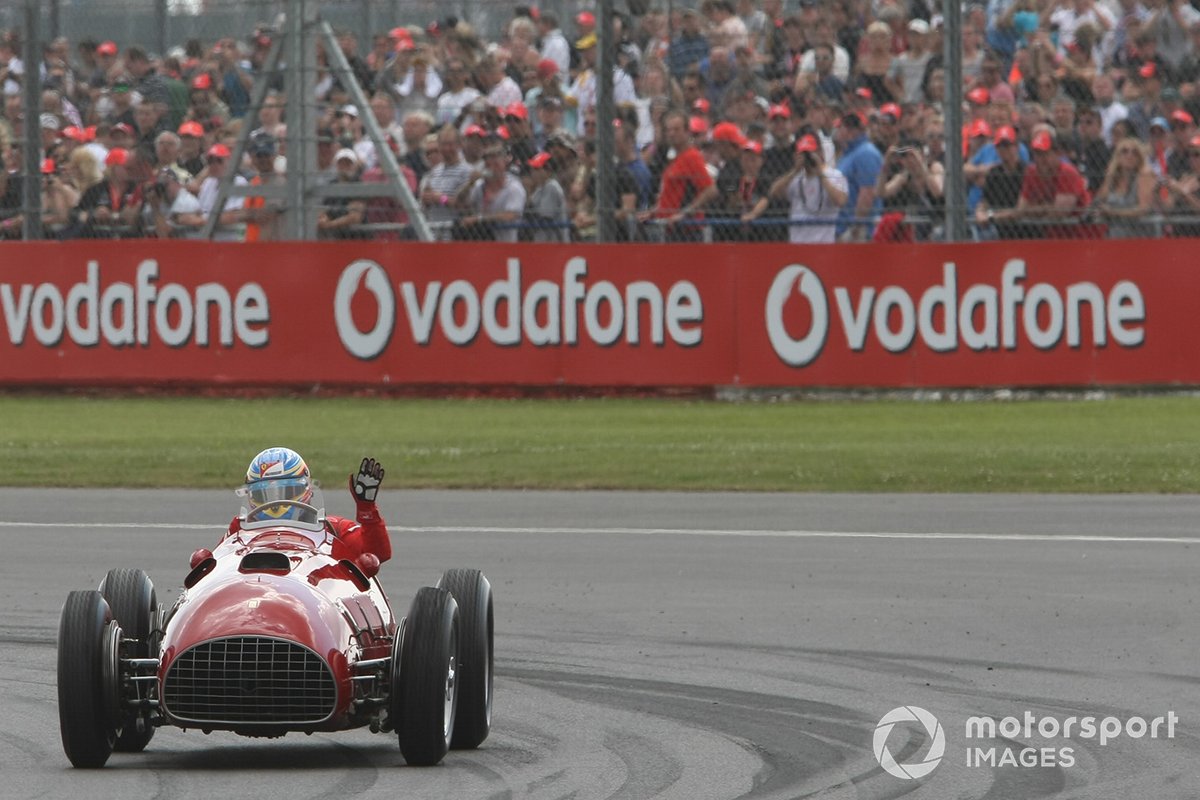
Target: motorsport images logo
pixel 933 731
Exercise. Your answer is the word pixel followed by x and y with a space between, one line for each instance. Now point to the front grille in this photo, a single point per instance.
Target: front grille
pixel 250 679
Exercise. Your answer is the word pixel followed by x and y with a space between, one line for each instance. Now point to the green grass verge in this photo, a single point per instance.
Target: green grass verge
pixel 1115 445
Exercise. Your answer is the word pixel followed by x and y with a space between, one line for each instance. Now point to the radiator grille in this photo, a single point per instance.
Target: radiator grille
pixel 250 679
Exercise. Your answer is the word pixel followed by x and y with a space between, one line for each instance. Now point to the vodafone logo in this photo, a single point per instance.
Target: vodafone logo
pixel 933 732
pixel 1007 314
pixel 797 352
pixel 364 344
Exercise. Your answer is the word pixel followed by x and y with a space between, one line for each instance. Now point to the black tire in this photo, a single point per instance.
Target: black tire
pixel 473 593
pixel 84 705
pixel 425 692
pixel 130 595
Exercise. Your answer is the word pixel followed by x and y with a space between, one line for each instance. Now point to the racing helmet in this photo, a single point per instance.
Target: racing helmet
pixel 277 473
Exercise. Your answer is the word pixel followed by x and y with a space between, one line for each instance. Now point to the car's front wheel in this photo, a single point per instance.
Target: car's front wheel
pixel 88 695
pixel 130 595
pixel 425 678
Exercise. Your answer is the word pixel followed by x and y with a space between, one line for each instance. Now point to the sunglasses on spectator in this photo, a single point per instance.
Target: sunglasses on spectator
pixel 214 160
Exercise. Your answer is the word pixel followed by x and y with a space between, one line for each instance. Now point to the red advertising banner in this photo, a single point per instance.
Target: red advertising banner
pixel 996 314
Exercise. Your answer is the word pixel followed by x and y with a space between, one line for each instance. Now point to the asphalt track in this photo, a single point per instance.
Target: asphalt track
pixel 688 646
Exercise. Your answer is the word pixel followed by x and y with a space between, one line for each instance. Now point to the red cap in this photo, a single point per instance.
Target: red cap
pixel 399 33
pixel 539 161
pixel 779 110
pixel 728 132
pixel 404 45
pixel 218 150
pixel 586 18
pixel 74 133
pixel 979 96
pixel 863 92
pixel 122 127
pixel 697 126
pixel 1148 70
pixel 1195 142
pixel 807 144
pixel 202 81
pixel 1005 133
pixel 980 127
pixel 518 110
pixel 546 68
pixel 191 128
pixel 1042 140
pixel 107 49
pixel 116 157
pixel 502 132
pixel 701 106
pixel 1179 115
pixel 475 130
pixel 752 146
pixel 48 166
pixel 89 133
pixel 891 109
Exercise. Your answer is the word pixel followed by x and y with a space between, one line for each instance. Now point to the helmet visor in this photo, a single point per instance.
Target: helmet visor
pixel 271 491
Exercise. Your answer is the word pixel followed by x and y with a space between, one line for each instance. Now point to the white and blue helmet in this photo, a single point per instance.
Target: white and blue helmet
pixel 278 473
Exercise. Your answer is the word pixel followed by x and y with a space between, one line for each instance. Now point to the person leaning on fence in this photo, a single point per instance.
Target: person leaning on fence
pixel 493 203
pixel 996 211
pixel 1185 194
pixel 860 164
pixel 687 186
pixel 907 186
pixel 173 212
pixel 816 193
pixel 111 208
pixel 339 216
pixel 1052 190
pixel 230 227
pixel 1126 197
pixel 547 212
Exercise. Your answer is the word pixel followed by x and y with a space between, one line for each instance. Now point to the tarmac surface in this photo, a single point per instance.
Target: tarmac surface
pixel 694 646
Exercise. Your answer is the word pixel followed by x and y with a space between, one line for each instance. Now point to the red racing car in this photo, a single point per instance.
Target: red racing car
pixel 272 633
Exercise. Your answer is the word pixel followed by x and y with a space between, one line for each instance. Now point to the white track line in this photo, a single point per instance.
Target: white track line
pixel 745 532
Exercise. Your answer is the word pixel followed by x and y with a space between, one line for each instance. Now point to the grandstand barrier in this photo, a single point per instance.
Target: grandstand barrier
pixel 994 314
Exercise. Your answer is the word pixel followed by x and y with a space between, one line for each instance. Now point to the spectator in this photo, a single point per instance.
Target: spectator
pixel 494 202
pixel 728 140
pixel 174 212
pixel 501 90
pixel 59 197
pixel 1127 195
pixel 687 187
pixel 583 89
pixel 261 214
pixel 752 196
pixel 341 215
pixel 1052 190
pixel 1094 154
pixel 690 47
pixel 872 68
pixel 416 127
pixel 907 187
pixel 230 224
pixel 453 102
pixel 420 88
pixel 111 209
pixel 815 193
pixel 554 45
pixel 204 106
pixel 1184 192
pixel 907 70
pixel 547 211
pixel 996 212
pixel 191 147
pixel 860 165
pixel 441 185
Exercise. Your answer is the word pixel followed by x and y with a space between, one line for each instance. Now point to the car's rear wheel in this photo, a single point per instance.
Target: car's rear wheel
pixel 473 593
pixel 425 687
pixel 88 695
pixel 130 595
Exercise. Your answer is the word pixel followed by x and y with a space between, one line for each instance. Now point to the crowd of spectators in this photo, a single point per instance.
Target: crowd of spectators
pixel 739 120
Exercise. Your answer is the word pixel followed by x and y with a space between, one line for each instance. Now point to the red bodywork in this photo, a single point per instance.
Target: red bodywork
pixel 288 584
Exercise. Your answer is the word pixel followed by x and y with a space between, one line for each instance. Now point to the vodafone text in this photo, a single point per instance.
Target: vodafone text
pixel 124 314
pixel 981 317
pixel 543 314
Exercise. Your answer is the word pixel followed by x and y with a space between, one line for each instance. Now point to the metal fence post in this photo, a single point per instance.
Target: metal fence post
pixel 954 190
pixel 31 152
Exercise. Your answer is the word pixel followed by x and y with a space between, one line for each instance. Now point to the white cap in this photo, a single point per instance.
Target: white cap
pixel 50 122
pixel 352 110
pixel 918 26
pixel 346 152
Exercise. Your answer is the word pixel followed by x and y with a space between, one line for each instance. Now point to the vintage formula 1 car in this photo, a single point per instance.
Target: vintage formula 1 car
pixel 273 633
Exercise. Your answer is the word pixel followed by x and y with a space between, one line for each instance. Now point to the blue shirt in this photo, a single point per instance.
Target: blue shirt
pixel 984 156
pixel 686 51
pixel 645 183
pixel 860 164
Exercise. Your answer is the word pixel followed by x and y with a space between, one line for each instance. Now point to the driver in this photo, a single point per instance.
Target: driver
pixel 279 473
